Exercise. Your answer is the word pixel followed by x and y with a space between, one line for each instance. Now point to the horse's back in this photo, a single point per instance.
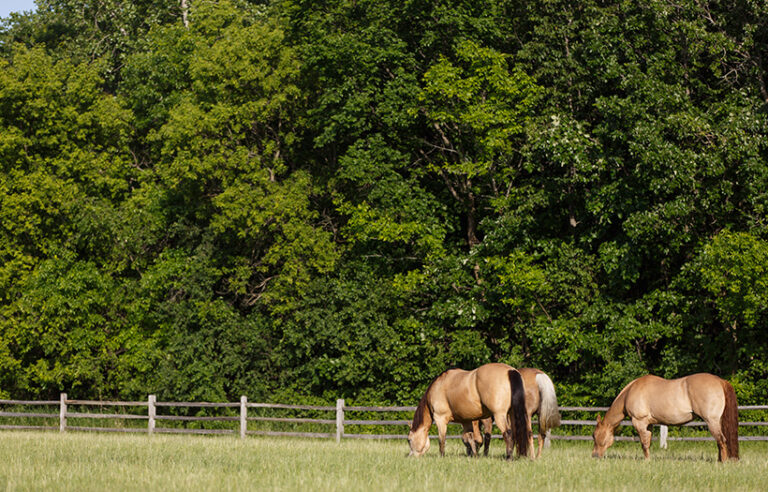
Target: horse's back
pixel 704 382
pixel 675 401
pixel 493 372
pixel 455 394
pixel 471 395
pixel 660 400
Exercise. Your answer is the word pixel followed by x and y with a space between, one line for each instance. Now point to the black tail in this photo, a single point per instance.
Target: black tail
pixel 519 416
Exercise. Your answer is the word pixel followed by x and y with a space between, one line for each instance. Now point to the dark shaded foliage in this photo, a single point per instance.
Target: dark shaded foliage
pixel 308 200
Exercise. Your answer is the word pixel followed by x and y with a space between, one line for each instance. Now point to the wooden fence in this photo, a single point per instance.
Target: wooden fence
pixel 337 423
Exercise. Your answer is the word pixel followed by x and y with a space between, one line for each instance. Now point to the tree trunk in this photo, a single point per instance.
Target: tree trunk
pixel 472 240
pixel 184 12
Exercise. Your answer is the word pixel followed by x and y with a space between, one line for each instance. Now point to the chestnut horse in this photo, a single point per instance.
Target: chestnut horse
pixel 467 396
pixel 653 400
pixel 540 398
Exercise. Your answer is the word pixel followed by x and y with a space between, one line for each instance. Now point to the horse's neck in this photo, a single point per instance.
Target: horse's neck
pixel 615 413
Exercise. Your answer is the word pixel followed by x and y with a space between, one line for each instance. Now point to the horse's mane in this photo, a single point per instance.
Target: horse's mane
pixel 418 416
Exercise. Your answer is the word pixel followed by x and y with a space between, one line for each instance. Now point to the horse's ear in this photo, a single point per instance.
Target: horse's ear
pixel 599 419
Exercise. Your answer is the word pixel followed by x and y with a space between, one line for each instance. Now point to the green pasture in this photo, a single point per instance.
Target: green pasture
pixel 82 461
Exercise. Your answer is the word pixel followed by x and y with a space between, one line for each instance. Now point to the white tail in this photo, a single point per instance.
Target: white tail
pixel 549 415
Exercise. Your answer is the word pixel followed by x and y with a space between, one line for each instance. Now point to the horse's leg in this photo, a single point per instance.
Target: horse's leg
pixel 487 429
pixel 504 425
pixel 717 433
pixel 642 428
pixel 542 438
pixel 530 438
pixel 442 428
pixel 468 436
pixel 477 435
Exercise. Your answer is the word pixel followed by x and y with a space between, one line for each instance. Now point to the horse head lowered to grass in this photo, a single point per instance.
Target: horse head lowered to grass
pixel 492 390
pixel 653 400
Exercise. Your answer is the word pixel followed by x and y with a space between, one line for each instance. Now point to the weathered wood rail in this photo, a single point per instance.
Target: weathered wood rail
pixel 337 422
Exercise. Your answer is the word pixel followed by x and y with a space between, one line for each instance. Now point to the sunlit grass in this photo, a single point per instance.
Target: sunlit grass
pixel 81 461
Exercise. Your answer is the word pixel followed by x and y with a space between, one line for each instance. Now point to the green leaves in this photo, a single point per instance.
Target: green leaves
pixel 61 143
pixel 71 330
pixel 480 94
pixel 734 272
pixel 347 198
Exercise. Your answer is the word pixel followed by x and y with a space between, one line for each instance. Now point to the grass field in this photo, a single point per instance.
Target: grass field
pixel 48 461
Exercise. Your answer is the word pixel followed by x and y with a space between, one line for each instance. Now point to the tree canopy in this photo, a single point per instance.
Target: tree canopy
pixel 302 200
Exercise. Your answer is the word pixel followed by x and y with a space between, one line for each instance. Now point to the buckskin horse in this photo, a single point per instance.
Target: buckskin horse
pixel 540 398
pixel 492 390
pixel 653 400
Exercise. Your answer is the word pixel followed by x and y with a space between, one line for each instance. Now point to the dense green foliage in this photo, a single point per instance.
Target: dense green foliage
pixel 302 200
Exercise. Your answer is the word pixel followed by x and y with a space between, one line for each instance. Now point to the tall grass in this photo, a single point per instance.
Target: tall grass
pixel 52 461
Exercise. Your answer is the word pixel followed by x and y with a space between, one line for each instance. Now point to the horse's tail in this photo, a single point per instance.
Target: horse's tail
pixel 519 414
pixel 549 415
pixel 729 421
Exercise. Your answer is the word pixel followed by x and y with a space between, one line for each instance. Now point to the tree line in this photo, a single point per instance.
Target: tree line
pixel 302 200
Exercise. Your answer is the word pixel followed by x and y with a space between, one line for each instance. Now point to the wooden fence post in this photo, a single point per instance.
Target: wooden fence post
pixel 339 419
pixel 243 416
pixel 663 432
pixel 151 413
pixel 63 413
pixel 547 440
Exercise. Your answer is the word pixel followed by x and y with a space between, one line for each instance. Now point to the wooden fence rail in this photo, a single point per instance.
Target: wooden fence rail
pixel 338 420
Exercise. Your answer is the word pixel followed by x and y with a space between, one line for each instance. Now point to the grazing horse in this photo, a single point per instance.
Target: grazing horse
pixel 540 398
pixel 467 396
pixel 653 400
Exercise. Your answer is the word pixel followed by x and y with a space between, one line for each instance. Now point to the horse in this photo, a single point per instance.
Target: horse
pixel 465 397
pixel 540 398
pixel 653 400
